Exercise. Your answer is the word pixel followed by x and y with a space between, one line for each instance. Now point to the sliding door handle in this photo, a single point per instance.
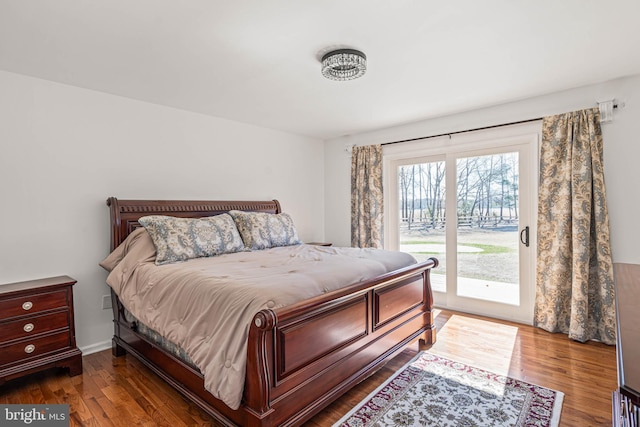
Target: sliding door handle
pixel 525 231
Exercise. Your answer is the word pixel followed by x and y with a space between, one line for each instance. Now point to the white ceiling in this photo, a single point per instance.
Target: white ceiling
pixel 258 61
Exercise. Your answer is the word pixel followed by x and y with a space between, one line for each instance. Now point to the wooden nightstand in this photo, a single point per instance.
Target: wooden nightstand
pixel 36 327
pixel 319 243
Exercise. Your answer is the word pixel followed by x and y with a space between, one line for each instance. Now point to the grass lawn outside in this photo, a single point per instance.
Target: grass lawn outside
pixel 487 254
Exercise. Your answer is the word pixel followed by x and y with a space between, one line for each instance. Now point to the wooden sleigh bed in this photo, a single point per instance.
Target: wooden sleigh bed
pixel 302 357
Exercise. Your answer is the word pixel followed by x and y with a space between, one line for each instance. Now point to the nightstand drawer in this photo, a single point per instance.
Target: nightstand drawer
pixel 31 348
pixel 33 325
pixel 34 303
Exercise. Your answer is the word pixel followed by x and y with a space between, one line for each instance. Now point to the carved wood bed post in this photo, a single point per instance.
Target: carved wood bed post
pixel 259 358
pixel 116 305
pixel 429 336
pixel 114 209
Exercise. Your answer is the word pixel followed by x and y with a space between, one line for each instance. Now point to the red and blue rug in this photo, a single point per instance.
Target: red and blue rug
pixel 434 391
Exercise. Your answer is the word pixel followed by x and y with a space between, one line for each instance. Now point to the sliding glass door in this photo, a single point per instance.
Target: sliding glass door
pixel 473 210
pixel 487 214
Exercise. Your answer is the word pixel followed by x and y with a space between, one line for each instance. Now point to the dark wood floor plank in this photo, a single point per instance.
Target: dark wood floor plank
pixel 164 397
pixel 100 417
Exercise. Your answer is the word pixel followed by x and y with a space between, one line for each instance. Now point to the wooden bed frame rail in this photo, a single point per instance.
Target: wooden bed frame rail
pixel 302 357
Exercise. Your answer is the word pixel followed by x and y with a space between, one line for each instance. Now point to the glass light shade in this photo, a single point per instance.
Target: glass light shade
pixel 344 64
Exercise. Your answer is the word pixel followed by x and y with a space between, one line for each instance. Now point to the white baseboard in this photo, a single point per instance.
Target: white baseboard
pixel 94 348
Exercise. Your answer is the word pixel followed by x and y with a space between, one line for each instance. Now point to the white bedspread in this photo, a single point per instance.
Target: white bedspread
pixel 206 305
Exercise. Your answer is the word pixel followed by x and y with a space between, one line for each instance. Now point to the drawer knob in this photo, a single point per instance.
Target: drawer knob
pixel 30 348
pixel 27 305
pixel 28 327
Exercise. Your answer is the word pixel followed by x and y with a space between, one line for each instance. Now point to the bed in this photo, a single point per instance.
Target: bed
pixel 300 357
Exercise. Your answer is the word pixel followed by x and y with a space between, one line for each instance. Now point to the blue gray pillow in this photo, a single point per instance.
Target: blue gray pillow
pixel 262 230
pixel 181 239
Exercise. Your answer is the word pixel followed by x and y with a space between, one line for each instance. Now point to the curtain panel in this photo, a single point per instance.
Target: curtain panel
pixel 366 197
pixel 574 271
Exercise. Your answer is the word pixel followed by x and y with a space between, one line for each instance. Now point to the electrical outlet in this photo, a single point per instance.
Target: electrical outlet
pixel 106 302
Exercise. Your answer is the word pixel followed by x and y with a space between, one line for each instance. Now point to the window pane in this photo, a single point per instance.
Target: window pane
pixel 422 215
pixel 487 231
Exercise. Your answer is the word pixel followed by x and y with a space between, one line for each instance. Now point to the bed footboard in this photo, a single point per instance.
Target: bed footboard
pixel 303 357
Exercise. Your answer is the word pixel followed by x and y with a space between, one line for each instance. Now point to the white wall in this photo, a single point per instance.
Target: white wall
pixel 621 152
pixel 64 150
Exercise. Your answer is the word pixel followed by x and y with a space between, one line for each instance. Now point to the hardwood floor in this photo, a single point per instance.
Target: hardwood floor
pixel 122 392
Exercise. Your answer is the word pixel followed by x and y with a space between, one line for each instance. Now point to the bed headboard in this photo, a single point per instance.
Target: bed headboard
pixel 125 213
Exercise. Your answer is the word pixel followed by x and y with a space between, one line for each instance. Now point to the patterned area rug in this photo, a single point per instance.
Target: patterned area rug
pixel 433 391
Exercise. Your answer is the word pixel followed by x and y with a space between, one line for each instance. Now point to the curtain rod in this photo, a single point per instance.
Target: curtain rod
pixel 461 131
pixel 470 130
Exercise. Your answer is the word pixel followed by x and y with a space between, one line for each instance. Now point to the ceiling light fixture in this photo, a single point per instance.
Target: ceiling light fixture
pixel 344 64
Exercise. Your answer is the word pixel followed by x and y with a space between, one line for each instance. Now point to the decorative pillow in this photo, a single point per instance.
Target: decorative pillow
pixel 262 230
pixel 180 239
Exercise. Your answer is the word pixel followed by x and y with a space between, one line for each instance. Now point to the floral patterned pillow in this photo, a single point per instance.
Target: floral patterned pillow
pixel 262 230
pixel 180 239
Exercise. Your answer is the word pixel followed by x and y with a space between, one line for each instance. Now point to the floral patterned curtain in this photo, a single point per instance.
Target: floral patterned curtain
pixel 366 197
pixel 574 277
